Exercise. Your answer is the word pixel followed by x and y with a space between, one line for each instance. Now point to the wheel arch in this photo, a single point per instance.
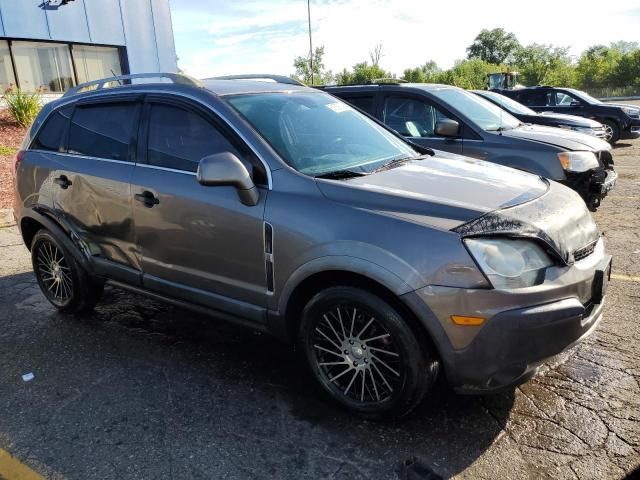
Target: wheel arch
pixel 34 219
pixel 318 281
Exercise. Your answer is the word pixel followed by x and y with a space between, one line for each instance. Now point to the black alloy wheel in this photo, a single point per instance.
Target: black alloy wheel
pixel 363 353
pixel 63 281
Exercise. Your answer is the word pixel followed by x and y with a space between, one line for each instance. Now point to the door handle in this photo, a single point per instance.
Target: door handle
pixel 63 182
pixel 147 198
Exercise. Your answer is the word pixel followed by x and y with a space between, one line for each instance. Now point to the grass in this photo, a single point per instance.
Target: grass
pixel 8 150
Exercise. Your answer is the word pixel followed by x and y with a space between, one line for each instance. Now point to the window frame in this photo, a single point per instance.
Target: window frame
pixel 212 118
pixel 132 151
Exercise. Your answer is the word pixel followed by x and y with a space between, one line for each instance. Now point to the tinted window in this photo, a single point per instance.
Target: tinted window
pixel 411 118
pixel 53 134
pixel 563 99
pixel 179 138
pixel 533 98
pixel 363 103
pixel 103 130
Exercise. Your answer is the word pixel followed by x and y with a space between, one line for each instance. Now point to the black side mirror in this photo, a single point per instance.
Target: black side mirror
pixel 225 169
pixel 447 128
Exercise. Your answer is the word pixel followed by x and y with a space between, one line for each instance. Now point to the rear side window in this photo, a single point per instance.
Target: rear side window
pixel 103 130
pixel 363 103
pixel 53 133
pixel 180 138
pixel 533 98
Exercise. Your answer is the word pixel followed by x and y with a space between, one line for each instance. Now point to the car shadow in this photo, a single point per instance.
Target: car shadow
pixel 621 145
pixel 139 375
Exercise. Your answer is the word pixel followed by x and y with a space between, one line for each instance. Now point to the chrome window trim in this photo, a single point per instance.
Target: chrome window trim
pixel 77 155
pixel 250 144
pixel 166 169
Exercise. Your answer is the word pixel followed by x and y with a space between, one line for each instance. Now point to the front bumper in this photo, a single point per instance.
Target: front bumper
pixel 633 131
pixel 523 328
pixel 592 185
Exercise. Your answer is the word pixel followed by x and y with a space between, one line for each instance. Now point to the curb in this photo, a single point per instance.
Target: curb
pixel 6 218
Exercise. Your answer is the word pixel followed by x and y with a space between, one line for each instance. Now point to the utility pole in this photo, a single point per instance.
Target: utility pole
pixel 310 44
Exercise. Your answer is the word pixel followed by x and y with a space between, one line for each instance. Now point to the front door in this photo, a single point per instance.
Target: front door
pixel 197 243
pixel 416 119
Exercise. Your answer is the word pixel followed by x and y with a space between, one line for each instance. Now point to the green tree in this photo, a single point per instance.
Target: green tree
pixel 597 66
pixel 470 74
pixel 427 73
pixel 303 69
pixel 494 46
pixel 541 64
pixel 362 73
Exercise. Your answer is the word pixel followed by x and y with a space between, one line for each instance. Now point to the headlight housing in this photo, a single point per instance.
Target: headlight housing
pixel 632 112
pixel 578 161
pixel 510 263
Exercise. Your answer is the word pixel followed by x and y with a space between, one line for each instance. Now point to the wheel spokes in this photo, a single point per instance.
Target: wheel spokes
pixel 380 378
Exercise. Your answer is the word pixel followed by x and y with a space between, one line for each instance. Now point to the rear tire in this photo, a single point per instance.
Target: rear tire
pixel 612 131
pixel 363 354
pixel 63 281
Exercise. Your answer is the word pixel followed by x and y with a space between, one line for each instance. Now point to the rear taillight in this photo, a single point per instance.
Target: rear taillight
pixel 19 157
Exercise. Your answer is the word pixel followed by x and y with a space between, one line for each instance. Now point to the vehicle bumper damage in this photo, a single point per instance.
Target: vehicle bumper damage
pixel 595 184
pixel 517 329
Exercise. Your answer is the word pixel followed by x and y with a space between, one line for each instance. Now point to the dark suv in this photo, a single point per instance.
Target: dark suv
pixel 280 207
pixel 619 120
pixel 452 119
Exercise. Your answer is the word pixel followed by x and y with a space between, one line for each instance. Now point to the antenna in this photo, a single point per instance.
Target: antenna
pixel 310 44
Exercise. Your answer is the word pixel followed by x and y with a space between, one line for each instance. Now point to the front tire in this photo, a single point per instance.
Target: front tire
pixel 363 354
pixel 66 285
pixel 612 131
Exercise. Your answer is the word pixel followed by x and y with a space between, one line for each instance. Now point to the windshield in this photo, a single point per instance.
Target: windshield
pixel 507 103
pixel 584 96
pixel 317 134
pixel 485 114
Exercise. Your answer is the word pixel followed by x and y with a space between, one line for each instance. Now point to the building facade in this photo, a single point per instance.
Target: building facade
pixel 51 45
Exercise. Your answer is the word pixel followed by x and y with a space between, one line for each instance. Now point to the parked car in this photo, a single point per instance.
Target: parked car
pixel 620 121
pixel 280 207
pixel 548 119
pixel 452 119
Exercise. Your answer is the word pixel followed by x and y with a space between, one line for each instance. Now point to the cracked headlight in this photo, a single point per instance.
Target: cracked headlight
pixel 509 263
pixel 578 161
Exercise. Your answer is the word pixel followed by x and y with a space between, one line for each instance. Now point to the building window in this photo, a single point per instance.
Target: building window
pixel 93 63
pixel 43 66
pixel 6 68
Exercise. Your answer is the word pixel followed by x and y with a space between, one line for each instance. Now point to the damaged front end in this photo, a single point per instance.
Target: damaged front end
pixel 559 220
pixel 593 185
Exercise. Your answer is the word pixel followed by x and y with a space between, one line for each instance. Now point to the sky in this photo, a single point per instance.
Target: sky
pixel 223 37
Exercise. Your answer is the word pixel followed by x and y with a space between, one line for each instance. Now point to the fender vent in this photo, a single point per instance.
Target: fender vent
pixel 268 255
pixel 584 252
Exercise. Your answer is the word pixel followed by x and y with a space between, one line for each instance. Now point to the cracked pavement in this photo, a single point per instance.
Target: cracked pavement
pixel 141 389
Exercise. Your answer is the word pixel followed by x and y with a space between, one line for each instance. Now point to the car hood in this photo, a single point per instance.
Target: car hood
pixel 572 120
pixel 564 139
pixel 559 219
pixel 442 191
pixel 620 105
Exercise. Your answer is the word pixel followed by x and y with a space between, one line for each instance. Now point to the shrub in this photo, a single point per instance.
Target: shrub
pixel 22 106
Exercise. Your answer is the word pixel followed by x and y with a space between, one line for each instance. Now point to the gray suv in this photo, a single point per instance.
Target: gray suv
pixel 282 208
pixel 452 119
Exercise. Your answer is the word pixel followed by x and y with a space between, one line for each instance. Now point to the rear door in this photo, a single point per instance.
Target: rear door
pixel 415 118
pixel 92 184
pixel 197 243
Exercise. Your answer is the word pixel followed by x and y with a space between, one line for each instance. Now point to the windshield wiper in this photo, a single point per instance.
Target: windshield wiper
pixel 397 161
pixel 338 174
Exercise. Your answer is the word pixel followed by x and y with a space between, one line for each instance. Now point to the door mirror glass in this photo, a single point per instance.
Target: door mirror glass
pixel 225 169
pixel 446 127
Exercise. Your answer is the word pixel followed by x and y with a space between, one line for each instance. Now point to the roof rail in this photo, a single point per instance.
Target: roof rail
pixel 261 76
pixel 388 80
pixel 177 78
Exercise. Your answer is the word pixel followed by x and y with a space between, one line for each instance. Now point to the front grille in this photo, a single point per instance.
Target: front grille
pixel 584 252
